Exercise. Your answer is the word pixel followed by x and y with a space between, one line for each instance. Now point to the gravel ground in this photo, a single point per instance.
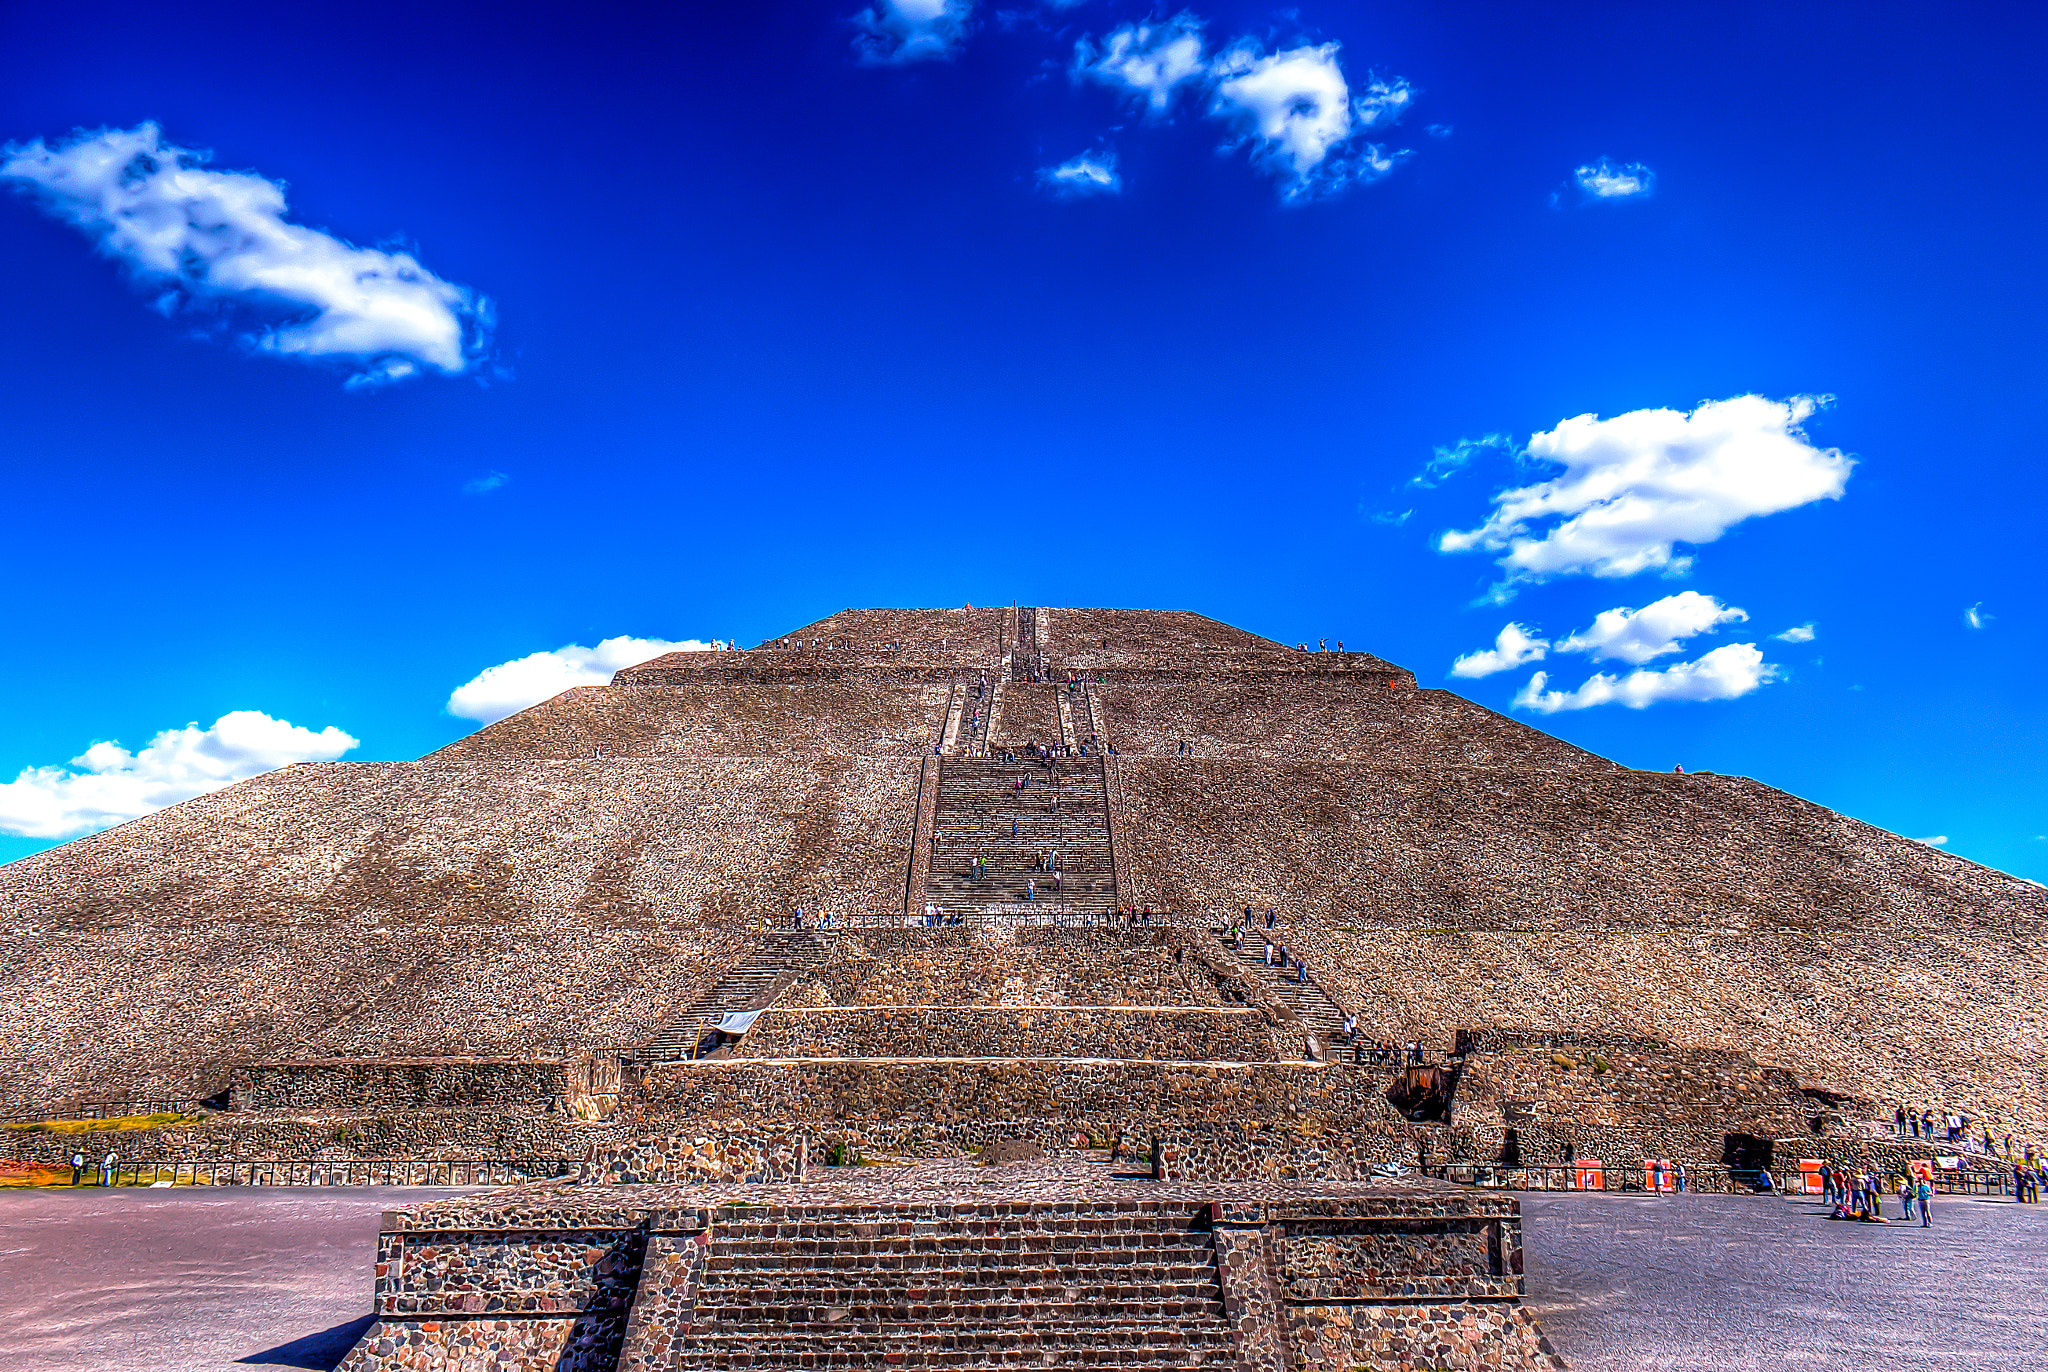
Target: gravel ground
pixel 222 1281
pixel 1731 1283
pixel 188 1280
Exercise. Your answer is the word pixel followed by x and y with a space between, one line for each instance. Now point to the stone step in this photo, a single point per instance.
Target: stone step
pixel 857 1309
pixel 964 1355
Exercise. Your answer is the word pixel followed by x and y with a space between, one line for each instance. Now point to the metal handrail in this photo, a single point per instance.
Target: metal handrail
pixel 336 1172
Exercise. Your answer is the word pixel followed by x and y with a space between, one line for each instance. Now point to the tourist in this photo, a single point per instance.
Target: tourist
pixel 107 1169
pixel 1351 1028
pixel 77 1167
pixel 1827 1186
pixel 1764 1182
pixel 1678 1174
pixel 1030 889
pixel 1924 1193
pixel 1905 1190
pixel 1899 1121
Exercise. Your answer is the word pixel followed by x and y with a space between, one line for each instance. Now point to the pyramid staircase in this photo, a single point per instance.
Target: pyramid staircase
pixel 978 804
pixel 1124 1284
pixel 750 984
pixel 1321 1015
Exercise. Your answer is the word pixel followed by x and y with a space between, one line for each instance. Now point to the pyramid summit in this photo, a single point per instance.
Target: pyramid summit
pixel 922 883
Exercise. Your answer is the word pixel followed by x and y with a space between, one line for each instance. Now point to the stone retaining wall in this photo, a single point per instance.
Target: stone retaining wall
pixel 471 1134
pixel 991 964
pixel 376 1084
pixel 952 1090
pixel 1230 1035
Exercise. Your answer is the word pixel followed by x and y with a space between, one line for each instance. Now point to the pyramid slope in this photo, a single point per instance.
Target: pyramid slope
pixel 1443 865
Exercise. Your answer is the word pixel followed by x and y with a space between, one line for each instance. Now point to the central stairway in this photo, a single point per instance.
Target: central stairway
pixel 979 802
pixel 1126 1285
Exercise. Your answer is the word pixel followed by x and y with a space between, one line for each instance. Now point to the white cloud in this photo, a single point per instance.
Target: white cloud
pixel 896 31
pixel 1640 482
pixel 1636 636
pixel 1299 112
pixel 1934 842
pixel 217 243
pixel 1976 616
pixel 485 484
pixel 1611 180
pixel 510 687
pixel 1089 174
pixel 1512 646
pixel 1151 60
pixel 1798 633
pixel 1723 674
pixel 112 785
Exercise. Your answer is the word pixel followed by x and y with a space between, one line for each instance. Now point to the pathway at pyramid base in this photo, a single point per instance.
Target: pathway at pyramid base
pixel 1125 881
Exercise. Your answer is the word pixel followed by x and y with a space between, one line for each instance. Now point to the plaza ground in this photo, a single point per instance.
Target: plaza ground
pixel 229 1280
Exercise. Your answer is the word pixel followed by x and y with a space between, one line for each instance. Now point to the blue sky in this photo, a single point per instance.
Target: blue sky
pixel 718 320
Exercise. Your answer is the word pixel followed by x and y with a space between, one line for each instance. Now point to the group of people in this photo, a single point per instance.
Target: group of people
pixel 1322 646
pixel 1407 1054
pixel 1856 1194
pixel 108 1166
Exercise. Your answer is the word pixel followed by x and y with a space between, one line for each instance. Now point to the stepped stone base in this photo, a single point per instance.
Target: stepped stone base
pixel 1055 1263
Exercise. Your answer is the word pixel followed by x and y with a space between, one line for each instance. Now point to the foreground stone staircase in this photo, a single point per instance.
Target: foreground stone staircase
pixel 978 801
pixel 959 1286
pixel 753 983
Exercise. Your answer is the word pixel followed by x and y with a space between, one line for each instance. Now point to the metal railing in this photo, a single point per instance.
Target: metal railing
pixel 340 1172
pixel 1711 1178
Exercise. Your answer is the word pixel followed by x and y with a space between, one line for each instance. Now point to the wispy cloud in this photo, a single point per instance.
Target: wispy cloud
pixel 1152 61
pixel 1445 463
pixel 1727 672
pixel 1608 179
pixel 1297 112
pixel 899 31
pixel 1513 646
pixel 216 249
pixel 485 484
pixel 1089 174
pixel 1798 633
pixel 510 687
pixel 107 785
pixel 1935 841
pixel 1636 485
pixel 1977 617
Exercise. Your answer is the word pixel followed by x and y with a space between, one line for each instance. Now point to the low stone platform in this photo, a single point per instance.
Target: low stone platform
pixel 1062 1262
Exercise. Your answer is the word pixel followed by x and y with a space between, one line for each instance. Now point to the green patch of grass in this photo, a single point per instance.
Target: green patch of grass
pixel 114 1125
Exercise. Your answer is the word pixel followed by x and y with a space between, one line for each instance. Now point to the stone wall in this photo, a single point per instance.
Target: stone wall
pixel 768 1154
pixel 1235 1035
pixel 1090 1093
pixel 468 1134
pixel 1245 1152
pixel 374 1084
